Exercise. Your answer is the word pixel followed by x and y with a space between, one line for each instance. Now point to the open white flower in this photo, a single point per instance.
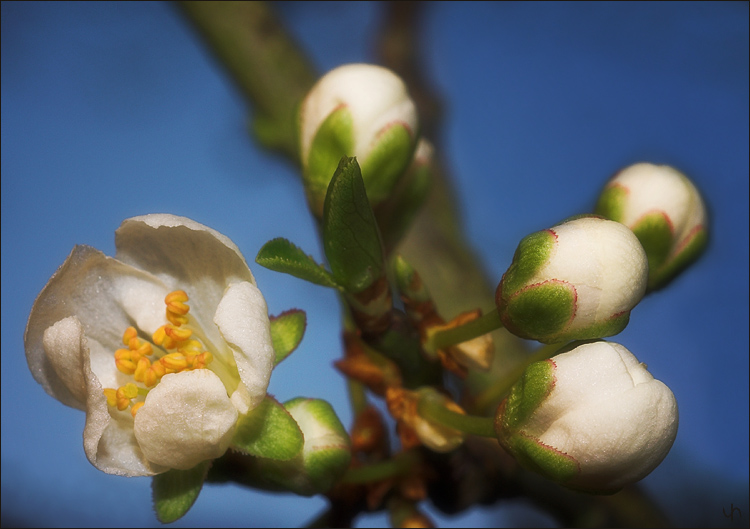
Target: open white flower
pixel 163 383
pixel 592 419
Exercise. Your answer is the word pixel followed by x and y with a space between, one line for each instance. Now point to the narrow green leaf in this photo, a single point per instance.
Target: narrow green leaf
pixel 175 491
pixel 351 237
pixel 268 431
pixel 280 255
pixel 287 330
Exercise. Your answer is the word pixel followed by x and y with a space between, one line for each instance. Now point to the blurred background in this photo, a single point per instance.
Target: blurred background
pixel 116 109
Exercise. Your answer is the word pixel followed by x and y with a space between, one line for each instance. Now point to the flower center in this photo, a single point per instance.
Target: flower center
pixel 173 350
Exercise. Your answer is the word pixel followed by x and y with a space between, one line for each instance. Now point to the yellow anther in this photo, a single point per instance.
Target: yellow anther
pixel 125 394
pixel 177 334
pixel 111 395
pixel 177 319
pixel 154 374
pixel 123 354
pixel 137 406
pixel 159 335
pixel 177 295
pixel 126 366
pixel 129 390
pixel 158 369
pixel 145 349
pixel 203 359
pixel 190 359
pixel 141 369
pixel 190 347
pixel 174 362
pixel 128 335
pixel 150 378
pixel 178 307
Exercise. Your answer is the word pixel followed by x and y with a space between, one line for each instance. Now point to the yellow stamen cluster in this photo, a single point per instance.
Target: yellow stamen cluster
pixel 122 396
pixel 183 354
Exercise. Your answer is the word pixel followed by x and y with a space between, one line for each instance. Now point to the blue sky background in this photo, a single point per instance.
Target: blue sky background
pixel 111 110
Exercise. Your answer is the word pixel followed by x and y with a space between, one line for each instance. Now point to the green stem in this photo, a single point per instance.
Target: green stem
pixel 495 392
pixel 475 328
pixel 357 396
pixel 430 407
pixel 399 465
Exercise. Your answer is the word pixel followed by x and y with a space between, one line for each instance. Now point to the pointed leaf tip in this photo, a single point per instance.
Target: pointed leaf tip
pixel 280 255
pixel 351 236
pixel 287 330
pixel 175 491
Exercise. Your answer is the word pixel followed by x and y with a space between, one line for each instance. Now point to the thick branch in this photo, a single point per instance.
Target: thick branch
pixel 262 59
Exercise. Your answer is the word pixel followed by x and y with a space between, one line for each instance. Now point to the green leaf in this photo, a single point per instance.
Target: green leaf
pixel 287 330
pixel 350 233
pixel 175 491
pixel 268 431
pixel 280 255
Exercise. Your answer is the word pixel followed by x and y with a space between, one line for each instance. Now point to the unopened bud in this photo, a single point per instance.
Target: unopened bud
pixel 665 211
pixel 578 280
pixel 591 419
pixel 358 110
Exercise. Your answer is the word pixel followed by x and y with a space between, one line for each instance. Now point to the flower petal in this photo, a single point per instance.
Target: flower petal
pixel 187 418
pixel 108 441
pixel 185 255
pixel 106 296
pixel 621 439
pixel 242 319
pixel 63 343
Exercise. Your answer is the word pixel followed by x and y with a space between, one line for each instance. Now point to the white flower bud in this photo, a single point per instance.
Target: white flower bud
pixel 578 280
pixel 665 211
pixel 591 419
pixel 358 110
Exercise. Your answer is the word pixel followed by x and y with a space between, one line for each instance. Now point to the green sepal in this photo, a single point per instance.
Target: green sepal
pixel 324 464
pixel 614 325
pixel 656 235
pixel 333 139
pixel 175 491
pixel 532 253
pixel 268 431
pixel 387 161
pixel 547 461
pixel 611 203
pixel 541 312
pixel 324 458
pixel 527 394
pixel 280 255
pixel 287 330
pixel 350 233
pixel 685 256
